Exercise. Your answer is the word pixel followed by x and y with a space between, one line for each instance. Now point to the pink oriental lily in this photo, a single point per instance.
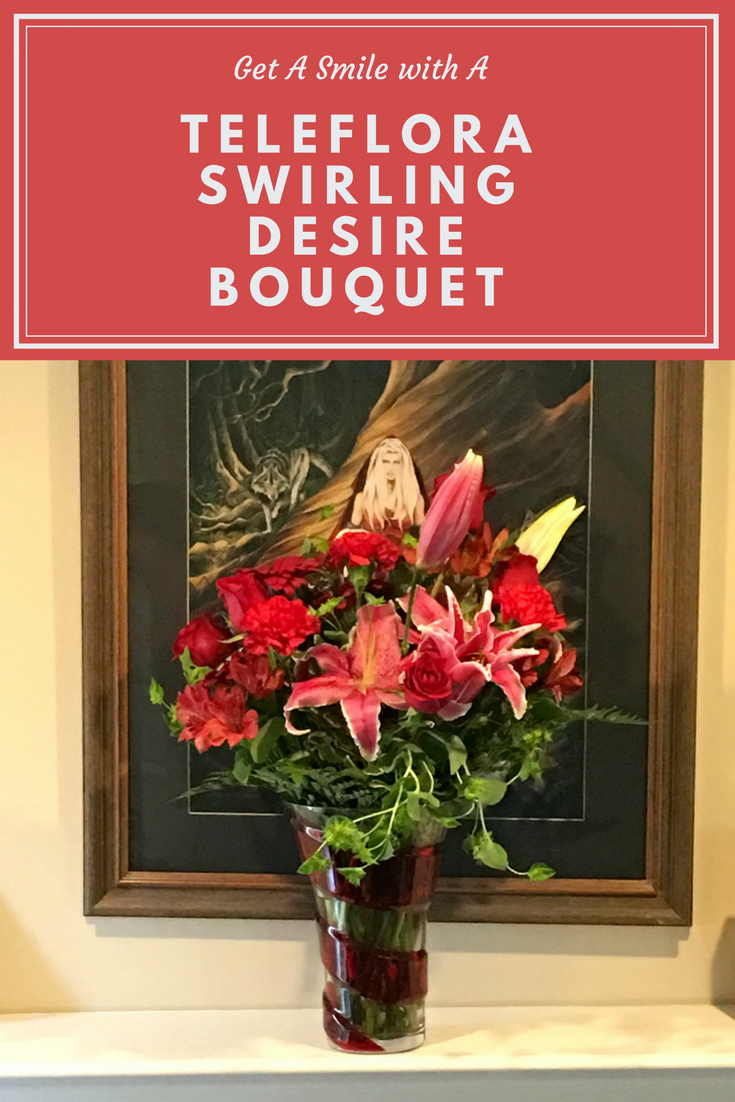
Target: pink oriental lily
pixel 360 679
pixel 429 613
pixel 437 676
pixel 450 514
pixel 496 648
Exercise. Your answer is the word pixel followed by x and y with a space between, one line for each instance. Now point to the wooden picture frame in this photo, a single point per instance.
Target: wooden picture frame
pixel 663 897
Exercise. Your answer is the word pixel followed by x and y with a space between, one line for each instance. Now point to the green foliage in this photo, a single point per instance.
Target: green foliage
pixel 360 576
pixel 329 606
pixel 243 767
pixel 457 752
pixel 605 715
pixel 215 782
pixel 172 722
pixel 316 863
pixel 156 692
pixel 484 790
pixel 169 710
pixel 484 848
pixel 372 600
pixel 413 806
pixel 409 540
pixel 353 873
pixel 314 544
pixel 344 836
pixel 540 872
pixel 263 746
pixel 326 512
pixel 193 673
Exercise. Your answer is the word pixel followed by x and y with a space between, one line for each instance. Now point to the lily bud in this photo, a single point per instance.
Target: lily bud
pixel 449 516
pixel 542 538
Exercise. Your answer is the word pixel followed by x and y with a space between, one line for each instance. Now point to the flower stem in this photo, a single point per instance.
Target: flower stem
pixel 409 610
pixel 438 585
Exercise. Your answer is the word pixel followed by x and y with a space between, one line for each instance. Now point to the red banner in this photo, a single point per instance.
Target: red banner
pixel 370 186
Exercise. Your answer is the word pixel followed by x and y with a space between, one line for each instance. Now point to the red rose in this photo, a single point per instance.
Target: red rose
pixel 522 598
pixel 427 685
pixel 239 591
pixel 361 549
pixel 435 680
pixel 563 678
pixel 286 574
pixel 205 640
pixel 212 720
pixel 278 623
pixel 484 493
pixel 254 674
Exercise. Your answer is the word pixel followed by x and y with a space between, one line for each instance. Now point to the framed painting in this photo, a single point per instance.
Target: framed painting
pixel 193 469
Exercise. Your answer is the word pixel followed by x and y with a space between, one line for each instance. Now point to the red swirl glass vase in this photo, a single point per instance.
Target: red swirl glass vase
pixel 372 937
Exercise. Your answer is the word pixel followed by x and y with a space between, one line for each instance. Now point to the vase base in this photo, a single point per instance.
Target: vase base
pixel 394 1044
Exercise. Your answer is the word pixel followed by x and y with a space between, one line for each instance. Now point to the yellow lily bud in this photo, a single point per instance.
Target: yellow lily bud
pixel 544 535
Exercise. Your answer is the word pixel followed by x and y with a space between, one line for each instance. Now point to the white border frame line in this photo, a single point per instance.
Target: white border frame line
pixel 16 182
pixel 386 344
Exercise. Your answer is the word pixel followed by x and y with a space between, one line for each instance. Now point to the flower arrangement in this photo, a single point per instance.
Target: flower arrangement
pixel 398 679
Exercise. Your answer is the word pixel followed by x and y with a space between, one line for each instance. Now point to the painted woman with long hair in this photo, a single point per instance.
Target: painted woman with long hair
pixel 391 495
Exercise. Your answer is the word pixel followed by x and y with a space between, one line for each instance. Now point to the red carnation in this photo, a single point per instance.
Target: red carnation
pixel 363 548
pixel 253 672
pixel 212 720
pixel 239 591
pixel 206 642
pixel 523 599
pixel 484 493
pixel 278 623
pixel 286 574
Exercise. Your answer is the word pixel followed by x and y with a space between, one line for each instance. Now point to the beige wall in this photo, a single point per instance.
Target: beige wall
pixel 52 958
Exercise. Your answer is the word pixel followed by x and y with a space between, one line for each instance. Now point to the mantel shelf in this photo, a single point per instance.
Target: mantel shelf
pixel 281 1054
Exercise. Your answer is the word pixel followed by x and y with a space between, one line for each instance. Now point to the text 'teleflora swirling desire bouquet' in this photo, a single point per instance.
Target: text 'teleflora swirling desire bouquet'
pixel 403 680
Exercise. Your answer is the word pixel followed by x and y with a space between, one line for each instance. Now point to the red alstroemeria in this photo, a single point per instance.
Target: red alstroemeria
pixel 522 597
pixel 279 623
pixel 359 679
pixel 287 574
pixel 528 667
pixel 485 493
pixel 497 652
pixel 211 720
pixel 254 673
pixel 239 592
pixel 448 519
pixel 358 548
pixel 563 678
pixel 206 641
pixel 478 552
